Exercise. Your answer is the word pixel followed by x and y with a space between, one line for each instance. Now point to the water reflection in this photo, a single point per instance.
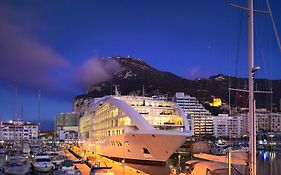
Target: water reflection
pixel 264 155
pixel 268 163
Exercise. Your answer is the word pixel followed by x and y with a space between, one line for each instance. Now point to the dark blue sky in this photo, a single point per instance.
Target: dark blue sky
pixel 44 44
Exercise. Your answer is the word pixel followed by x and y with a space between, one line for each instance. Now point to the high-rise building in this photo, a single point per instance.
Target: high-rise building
pixel 67 126
pixel 266 121
pixel 263 120
pixel 275 122
pixel 228 126
pixel 201 120
pixel 67 119
pixel 18 130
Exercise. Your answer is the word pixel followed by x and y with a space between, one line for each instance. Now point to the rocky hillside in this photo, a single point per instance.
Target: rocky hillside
pixel 134 74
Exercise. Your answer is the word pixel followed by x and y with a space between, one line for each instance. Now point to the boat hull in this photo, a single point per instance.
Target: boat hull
pixel 17 171
pixel 43 169
pixel 153 147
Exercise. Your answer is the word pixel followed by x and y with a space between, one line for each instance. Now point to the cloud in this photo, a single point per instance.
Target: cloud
pixel 196 72
pixel 95 71
pixel 34 65
pixel 25 59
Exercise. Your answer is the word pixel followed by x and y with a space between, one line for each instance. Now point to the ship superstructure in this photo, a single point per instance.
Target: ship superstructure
pixel 134 128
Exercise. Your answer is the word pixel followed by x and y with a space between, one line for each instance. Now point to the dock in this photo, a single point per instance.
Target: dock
pixel 117 167
pixel 84 169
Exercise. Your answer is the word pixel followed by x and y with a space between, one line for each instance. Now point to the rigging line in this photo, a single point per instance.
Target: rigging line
pixel 264 47
pixel 259 47
pixel 270 61
pixel 238 41
pixel 260 29
pixel 273 24
pixel 239 33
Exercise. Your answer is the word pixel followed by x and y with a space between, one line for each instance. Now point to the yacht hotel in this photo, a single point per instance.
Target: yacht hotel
pixel 133 129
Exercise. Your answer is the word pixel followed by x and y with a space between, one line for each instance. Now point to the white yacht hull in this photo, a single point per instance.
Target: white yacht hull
pixel 43 169
pixel 138 146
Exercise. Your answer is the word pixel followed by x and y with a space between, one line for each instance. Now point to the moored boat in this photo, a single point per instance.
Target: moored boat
pixel 97 169
pixel 137 129
pixel 3 150
pixel 67 167
pixel 17 165
pixel 56 158
pixel 42 163
pixel 197 167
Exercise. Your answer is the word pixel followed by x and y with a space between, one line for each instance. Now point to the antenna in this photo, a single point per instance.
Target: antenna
pixel 39 108
pixel 111 86
pixel 14 123
pixel 15 101
pixel 22 112
pixel 229 101
pixel 143 90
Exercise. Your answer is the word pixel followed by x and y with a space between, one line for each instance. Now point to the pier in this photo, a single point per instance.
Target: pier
pixel 117 167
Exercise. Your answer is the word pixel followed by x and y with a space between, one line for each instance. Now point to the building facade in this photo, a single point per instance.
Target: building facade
pixel 266 121
pixel 236 126
pixel 263 120
pixel 201 120
pixel 18 131
pixel 228 126
pixel 275 122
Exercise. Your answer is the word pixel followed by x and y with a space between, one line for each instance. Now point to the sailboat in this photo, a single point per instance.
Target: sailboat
pixel 251 73
pixel 15 163
pixel 198 167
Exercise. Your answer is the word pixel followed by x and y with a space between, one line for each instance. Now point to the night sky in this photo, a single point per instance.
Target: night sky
pixel 53 46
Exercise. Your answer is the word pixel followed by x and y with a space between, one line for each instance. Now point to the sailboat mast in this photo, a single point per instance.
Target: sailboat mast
pixel 252 119
pixel 39 109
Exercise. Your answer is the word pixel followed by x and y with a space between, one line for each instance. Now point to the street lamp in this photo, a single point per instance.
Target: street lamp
pixel 179 157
